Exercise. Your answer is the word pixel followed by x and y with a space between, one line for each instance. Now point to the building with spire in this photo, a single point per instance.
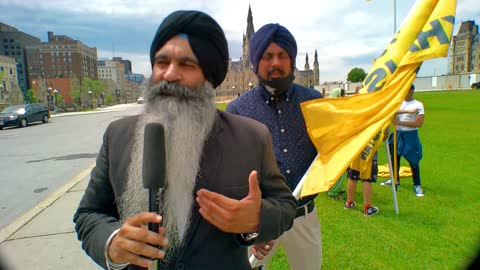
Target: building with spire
pixel 240 77
pixel 465 49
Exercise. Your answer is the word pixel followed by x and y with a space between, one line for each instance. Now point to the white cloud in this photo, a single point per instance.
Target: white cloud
pixel 346 33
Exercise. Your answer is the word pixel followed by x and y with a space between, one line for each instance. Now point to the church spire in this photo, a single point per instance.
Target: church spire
pixel 307 66
pixel 316 69
pixel 246 39
pixel 250 29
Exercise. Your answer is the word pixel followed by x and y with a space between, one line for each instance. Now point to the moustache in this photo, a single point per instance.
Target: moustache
pixel 173 89
pixel 276 70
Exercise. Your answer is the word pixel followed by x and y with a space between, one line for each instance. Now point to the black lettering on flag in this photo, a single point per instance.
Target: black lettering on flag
pixel 436 31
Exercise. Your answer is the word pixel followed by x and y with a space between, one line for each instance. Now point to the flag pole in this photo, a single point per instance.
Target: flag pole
pixel 392 174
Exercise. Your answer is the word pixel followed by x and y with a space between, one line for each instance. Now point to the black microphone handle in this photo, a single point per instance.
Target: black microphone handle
pixel 153 206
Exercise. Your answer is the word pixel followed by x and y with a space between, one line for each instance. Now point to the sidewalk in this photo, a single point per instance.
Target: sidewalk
pixel 44 237
pixel 113 108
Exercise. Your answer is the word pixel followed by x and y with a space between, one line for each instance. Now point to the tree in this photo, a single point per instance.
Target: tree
pixel 356 75
pixel 75 92
pixel 31 98
pixel 109 98
pixel 92 88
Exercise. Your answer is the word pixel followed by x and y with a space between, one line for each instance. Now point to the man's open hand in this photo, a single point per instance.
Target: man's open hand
pixel 230 215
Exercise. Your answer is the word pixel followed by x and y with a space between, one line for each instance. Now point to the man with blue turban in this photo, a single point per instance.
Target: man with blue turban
pixel 275 102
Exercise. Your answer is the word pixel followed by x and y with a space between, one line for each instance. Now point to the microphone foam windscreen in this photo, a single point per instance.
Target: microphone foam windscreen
pixel 154 159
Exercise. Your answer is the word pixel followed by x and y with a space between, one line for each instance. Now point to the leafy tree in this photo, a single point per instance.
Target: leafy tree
pixel 59 100
pixel 356 75
pixel 109 98
pixel 92 85
pixel 31 98
pixel 76 92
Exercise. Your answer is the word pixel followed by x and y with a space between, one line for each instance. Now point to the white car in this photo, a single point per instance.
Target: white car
pixel 140 100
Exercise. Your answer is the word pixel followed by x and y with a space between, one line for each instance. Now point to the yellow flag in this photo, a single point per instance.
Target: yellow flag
pixel 342 128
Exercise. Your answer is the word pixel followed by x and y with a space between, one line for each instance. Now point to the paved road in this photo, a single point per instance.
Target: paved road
pixel 37 160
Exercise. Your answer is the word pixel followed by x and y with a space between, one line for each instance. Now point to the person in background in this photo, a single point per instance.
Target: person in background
pixel 337 92
pixel 353 177
pixel 408 120
pixel 275 102
pixel 224 190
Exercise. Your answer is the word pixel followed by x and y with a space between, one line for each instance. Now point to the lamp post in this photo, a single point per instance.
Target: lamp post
pixel 55 93
pixel 394 16
pixel 50 98
pixel 90 98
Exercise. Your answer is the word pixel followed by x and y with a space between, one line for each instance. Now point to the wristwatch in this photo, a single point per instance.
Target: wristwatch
pixel 249 237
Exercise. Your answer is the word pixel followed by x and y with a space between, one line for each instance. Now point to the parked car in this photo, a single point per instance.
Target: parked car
pixel 22 115
pixel 476 85
pixel 140 100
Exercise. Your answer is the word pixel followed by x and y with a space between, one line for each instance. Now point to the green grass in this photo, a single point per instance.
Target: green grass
pixel 438 231
pixel 222 106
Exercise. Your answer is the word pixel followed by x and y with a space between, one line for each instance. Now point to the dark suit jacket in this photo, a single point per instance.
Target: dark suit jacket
pixel 234 148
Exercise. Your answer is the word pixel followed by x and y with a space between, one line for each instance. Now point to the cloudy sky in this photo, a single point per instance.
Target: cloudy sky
pixel 346 33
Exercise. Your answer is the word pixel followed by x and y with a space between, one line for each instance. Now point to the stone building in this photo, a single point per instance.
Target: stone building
pixel 240 76
pixel 465 50
pixel 10 92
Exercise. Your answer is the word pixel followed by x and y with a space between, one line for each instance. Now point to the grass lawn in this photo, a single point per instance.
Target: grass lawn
pixel 438 231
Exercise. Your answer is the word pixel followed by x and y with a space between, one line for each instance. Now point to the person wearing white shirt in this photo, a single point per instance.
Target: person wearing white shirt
pixel 408 120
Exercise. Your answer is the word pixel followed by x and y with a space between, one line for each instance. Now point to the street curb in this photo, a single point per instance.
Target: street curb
pixel 19 222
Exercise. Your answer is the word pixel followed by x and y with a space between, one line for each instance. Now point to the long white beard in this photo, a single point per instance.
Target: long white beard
pixel 187 122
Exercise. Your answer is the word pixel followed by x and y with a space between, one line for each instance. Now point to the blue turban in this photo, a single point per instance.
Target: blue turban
pixel 272 32
pixel 205 36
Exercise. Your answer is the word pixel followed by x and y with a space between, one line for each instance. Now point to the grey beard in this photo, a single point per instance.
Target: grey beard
pixel 187 118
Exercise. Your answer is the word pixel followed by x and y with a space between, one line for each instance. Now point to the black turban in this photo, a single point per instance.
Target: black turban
pixel 272 32
pixel 205 36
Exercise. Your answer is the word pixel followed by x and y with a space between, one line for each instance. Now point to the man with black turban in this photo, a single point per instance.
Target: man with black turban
pixel 223 190
pixel 275 102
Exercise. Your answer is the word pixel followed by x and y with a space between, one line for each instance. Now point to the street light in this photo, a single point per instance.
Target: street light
pixel 49 98
pixel 55 93
pixel 90 97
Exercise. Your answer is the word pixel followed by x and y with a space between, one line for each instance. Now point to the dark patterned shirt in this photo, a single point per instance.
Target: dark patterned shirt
pixel 283 116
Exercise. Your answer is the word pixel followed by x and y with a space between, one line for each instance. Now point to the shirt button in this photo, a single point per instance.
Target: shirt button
pixel 288 171
pixel 287 99
pixel 279 111
pixel 282 130
pixel 285 150
pixel 271 98
pixel 266 101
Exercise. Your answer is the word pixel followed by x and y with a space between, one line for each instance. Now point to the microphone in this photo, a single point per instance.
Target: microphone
pixel 154 168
